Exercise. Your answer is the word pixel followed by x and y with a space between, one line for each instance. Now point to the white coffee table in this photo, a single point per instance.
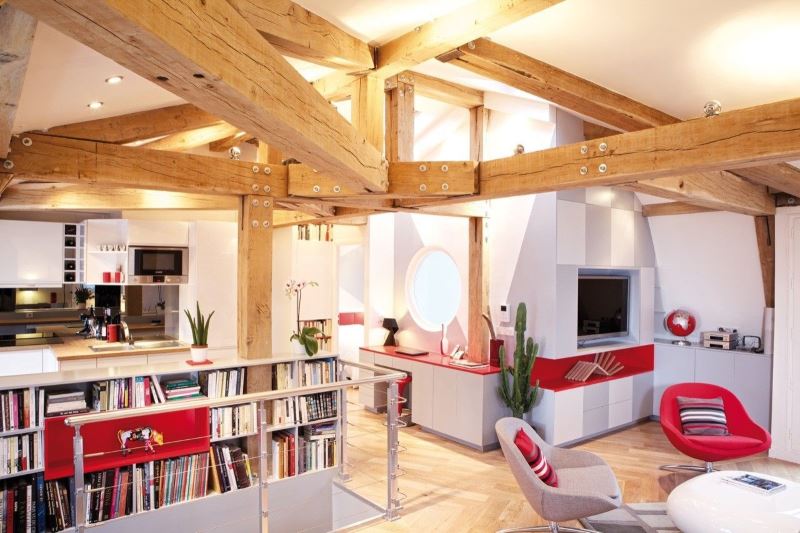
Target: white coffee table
pixel 708 504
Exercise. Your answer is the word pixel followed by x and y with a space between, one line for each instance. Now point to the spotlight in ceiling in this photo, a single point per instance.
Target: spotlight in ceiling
pixel 712 108
pixel 114 80
pixel 95 105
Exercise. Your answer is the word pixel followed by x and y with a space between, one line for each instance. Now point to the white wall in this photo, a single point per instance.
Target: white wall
pixel 707 263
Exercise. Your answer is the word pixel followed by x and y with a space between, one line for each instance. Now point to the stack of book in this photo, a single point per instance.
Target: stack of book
pixel 15 410
pixel 318 372
pixel 20 453
pixel 283 376
pixel 22 506
pixel 58 508
pixel 283 454
pixel 234 421
pixel 222 383
pixel 230 469
pixel 116 394
pixel 317 448
pixel 181 389
pixel 60 403
pixel 318 406
pixel 110 494
pixel 284 412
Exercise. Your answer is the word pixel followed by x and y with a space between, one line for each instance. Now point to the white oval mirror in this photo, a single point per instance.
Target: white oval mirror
pixel 433 288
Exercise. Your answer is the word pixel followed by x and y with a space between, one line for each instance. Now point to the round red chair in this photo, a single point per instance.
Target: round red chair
pixel 746 437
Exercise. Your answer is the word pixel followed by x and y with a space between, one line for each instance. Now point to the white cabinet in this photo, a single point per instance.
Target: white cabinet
pixel 714 367
pixel 445 408
pixel 158 233
pixel 17 362
pixel 422 397
pixel 673 364
pixel 752 385
pixel 49 361
pixel 32 254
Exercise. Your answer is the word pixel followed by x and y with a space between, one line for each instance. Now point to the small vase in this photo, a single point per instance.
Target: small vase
pixel 297 348
pixel 199 353
pixel 444 344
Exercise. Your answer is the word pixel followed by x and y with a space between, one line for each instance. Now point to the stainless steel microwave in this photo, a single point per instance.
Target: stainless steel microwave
pixel 156 265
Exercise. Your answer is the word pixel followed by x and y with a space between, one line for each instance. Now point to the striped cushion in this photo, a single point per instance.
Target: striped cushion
pixel 533 454
pixel 703 416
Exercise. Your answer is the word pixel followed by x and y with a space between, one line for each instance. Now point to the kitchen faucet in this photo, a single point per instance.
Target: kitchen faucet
pixel 127 332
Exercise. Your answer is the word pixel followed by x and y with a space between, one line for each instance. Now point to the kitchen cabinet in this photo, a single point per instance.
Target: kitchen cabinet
pixel 33 254
pixel 158 233
pixel 17 362
pixel 673 364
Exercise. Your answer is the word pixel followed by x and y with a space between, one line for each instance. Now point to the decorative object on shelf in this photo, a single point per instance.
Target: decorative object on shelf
pixel 518 395
pixel 199 325
pixel 391 325
pixel 304 339
pixel 146 435
pixel 722 339
pixel 444 344
pixel 82 295
pixel 604 364
pixel 494 342
pixel 680 323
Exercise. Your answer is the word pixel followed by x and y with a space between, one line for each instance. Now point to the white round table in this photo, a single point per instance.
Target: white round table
pixel 707 503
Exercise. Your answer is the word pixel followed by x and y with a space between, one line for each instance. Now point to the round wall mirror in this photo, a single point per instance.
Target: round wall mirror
pixel 433 288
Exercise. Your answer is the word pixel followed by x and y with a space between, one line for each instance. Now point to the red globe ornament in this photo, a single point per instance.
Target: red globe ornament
pixel 680 323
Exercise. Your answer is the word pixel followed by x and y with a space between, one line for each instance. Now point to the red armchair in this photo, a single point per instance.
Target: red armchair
pixel 746 437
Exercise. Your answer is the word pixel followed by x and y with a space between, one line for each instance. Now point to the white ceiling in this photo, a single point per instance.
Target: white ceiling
pixel 673 55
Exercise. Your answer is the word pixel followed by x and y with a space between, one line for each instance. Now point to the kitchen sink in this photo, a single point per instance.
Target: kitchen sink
pixel 111 347
pixel 157 344
pixel 137 345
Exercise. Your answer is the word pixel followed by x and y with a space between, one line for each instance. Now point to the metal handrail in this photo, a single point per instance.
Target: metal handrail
pixel 384 375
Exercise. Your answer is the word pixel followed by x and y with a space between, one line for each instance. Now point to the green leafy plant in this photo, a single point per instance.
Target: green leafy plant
pixel 306 336
pixel 82 294
pixel 515 382
pixel 199 325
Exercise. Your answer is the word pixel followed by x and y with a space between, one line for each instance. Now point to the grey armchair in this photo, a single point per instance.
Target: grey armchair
pixel 586 484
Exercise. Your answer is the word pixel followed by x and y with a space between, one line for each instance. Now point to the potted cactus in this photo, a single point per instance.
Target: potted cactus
pixel 515 382
pixel 199 325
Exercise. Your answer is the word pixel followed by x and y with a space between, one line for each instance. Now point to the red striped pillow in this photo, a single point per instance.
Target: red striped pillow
pixel 703 416
pixel 533 454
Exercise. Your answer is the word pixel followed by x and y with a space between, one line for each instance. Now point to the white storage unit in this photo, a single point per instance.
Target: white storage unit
pixel 158 233
pixel 18 361
pixel 33 254
pixel 748 375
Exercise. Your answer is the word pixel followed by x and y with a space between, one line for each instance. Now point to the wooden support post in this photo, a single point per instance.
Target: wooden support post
pixel 400 122
pixel 16 39
pixel 255 277
pixel 367 107
pixel 478 288
pixel 765 236
pixel 478 120
pixel 268 154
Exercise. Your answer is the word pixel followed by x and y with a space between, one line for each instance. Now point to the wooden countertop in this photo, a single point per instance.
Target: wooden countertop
pixel 432 359
pixel 75 348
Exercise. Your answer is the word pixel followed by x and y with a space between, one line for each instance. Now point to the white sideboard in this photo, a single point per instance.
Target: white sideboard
pixel 748 375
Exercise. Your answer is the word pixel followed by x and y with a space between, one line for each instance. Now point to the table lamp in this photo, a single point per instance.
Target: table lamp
pixel 391 325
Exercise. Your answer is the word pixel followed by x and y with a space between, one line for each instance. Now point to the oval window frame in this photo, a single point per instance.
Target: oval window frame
pixel 411 303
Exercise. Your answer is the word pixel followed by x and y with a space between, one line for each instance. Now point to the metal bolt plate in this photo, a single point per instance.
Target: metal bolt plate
pixel 603 147
pixel 255 169
pixel 602 167
pixel 267 170
pixel 423 168
pixel 445 186
pixel 255 202
pixel 267 188
pixel 265 224
pixel 584 171
pixel 445 168
pixel 337 188
pixel 315 188
pixel 423 187
pixel 584 149
pixel 254 223
pixel 26 141
pixel 255 187
pixel 267 203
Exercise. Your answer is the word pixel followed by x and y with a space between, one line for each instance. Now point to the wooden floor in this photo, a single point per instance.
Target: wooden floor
pixel 452 488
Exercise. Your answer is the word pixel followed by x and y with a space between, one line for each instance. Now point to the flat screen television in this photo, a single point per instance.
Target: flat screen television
pixel 602 307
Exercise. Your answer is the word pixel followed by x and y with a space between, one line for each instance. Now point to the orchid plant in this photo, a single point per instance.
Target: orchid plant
pixel 307 337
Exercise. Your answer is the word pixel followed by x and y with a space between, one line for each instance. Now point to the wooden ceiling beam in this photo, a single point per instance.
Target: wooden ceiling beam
pixel 16 39
pixel 299 33
pixel 439 89
pixel 222 64
pixel 5 182
pixel 436 37
pixel 673 208
pixel 225 144
pixel 186 140
pixel 139 126
pixel 765 238
pixel 57 159
pixel 782 177
pixel 594 131
pixel 48 196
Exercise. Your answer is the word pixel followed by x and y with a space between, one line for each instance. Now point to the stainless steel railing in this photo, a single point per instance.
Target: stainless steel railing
pixel 381 375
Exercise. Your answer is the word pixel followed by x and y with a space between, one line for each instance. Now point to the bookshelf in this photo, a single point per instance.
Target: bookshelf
pixel 211 445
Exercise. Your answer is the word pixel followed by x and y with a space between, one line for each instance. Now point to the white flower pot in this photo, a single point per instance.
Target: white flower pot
pixel 199 354
pixel 297 348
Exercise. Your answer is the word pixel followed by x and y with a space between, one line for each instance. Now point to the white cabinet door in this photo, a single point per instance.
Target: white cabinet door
pixel 366 393
pixel 158 233
pixel 33 254
pixel 445 407
pixel 568 415
pixel 674 364
pixel 714 366
pixel 753 385
pixel 422 395
pixel 469 419
pixel 49 361
pixel 17 362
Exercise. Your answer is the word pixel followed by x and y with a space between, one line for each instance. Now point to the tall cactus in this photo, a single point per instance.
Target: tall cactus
pixel 518 395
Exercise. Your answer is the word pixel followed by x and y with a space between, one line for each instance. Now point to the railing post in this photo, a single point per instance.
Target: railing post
pixel 263 468
pixel 344 474
pixel 392 418
pixel 79 509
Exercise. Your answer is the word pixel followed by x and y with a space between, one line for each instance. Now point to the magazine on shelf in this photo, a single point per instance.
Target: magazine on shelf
pixel 756 483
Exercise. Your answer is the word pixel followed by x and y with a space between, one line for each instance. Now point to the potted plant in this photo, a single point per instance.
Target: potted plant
pixel 199 325
pixel 515 382
pixel 303 339
pixel 82 295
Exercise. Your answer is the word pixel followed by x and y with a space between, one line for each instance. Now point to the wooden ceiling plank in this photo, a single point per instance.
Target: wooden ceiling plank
pixel 139 126
pixel 186 140
pixel 86 162
pixel 221 63
pixel 297 32
pixel 673 208
pixel 16 39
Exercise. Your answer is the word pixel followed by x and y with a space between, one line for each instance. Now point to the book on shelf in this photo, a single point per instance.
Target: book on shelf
pixel 60 403
pixel 283 454
pixel 18 410
pixel 156 484
pixel 303 409
pixel 122 393
pixel 318 372
pixel 230 468
pixel 156 392
pixel 58 507
pixel 234 421
pixel 283 376
pixel 181 389
pixel 22 505
pixel 325 326
pixel 317 448
pixel 222 383
pixel 20 453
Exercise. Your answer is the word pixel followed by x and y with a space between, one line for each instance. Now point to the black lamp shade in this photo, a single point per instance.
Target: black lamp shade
pixel 391 325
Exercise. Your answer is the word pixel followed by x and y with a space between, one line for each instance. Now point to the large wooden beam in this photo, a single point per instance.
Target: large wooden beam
pixel 255 278
pixel 49 196
pixel 517 70
pixel 400 121
pixel 440 35
pixel 442 90
pixel 58 159
pixel 138 126
pixel 16 39
pixel 186 140
pixel 297 32
pixel 673 208
pixel 593 131
pixel 5 181
pixel 782 177
pixel 765 237
pixel 210 55
pixel 366 108
pixel 478 289
pixel 226 143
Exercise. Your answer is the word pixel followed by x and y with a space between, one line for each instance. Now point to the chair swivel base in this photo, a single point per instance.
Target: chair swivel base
pixel 552 527
pixel 707 468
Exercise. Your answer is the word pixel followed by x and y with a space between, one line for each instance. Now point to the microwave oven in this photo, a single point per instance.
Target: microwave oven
pixel 157 265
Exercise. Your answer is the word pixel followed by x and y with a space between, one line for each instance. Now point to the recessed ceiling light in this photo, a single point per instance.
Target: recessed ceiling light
pixel 114 80
pixel 95 105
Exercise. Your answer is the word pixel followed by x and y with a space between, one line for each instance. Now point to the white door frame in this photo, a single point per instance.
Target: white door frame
pixel 786 356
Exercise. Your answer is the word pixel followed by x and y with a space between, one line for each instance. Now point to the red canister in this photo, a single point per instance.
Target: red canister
pixel 113 332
